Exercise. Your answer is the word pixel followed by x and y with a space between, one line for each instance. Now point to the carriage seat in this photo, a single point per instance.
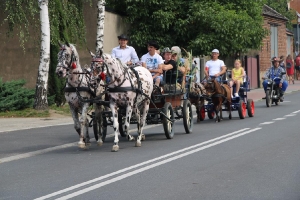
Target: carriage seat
pixel 171 85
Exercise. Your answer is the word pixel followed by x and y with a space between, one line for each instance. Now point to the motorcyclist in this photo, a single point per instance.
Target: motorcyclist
pixel 275 71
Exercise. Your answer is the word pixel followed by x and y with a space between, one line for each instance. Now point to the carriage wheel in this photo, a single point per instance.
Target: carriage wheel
pixel 268 99
pixel 210 113
pixel 242 109
pixel 167 124
pixel 121 125
pixel 201 112
pixel 250 108
pixel 100 126
pixel 187 113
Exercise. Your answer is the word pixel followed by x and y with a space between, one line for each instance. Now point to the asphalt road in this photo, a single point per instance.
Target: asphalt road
pixel 253 158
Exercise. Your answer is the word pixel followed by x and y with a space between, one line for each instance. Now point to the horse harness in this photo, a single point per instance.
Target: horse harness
pixel 137 90
pixel 71 88
pixel 220 95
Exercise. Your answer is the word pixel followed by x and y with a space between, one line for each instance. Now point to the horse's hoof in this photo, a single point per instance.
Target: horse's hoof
pixel 143 137
pixel 138 144
pixel 88 144
pixel 81 145
pixel 130 138
pixel 198 120
pixel 115 148
pixel 99 143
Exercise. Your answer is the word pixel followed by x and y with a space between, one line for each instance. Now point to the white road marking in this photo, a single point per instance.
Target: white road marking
pixel 42 151
pixel 290 115
pixel 264 123
pixel 277 119
pixel 296 111
pixel 118 178
pixel 139 165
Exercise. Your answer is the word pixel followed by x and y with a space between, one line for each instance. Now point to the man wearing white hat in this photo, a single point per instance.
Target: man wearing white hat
pixel 214 68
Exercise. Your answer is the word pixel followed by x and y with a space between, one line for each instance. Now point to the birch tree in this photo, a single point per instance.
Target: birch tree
pixel 66 21
pixel 41 101
pixel 100 25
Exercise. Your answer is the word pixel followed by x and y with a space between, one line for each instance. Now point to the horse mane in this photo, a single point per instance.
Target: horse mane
pixel 72 46
pixel 217 86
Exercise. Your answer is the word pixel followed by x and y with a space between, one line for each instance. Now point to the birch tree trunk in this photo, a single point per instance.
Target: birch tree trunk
pixel 41 101
pixel 100 25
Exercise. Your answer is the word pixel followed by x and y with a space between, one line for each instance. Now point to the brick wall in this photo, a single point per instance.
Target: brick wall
pixel 295 5
pixel 265 53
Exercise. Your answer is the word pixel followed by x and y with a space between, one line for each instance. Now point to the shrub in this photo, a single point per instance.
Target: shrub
pixel 13 95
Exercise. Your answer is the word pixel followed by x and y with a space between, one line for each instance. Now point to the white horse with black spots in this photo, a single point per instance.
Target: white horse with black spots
pixel 77 86
pixel 130 88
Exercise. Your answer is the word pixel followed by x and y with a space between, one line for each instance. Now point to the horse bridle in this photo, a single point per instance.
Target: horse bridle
pixel 73 58
pixel 103 66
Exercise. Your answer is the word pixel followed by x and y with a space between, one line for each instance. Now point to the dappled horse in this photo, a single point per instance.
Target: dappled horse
pixel 196 97
pixel 130 88
pixel 77 84
pixel 219 94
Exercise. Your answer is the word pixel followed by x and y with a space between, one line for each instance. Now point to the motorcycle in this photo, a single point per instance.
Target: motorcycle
pixel 273 91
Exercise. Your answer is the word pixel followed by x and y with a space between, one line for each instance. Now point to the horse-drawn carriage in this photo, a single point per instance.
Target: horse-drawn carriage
pixel 213 97
pixel 167 105
pixel 131 90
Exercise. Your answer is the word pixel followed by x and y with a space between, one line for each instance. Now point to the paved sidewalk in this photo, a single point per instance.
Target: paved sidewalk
pixel 11 124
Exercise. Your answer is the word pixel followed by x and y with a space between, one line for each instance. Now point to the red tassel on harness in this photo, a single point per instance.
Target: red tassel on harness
pixel 102 76
pixel 74 65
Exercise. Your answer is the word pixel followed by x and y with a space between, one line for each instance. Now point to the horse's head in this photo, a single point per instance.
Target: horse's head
pixel 210 87
pixel 114 68
pixel 68 59
pixel 97 71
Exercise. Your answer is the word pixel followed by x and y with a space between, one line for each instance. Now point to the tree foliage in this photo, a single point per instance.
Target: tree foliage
pixel 281 7
pixel 66 19
pixel 66 25
pixel 233 26
pixel 13 96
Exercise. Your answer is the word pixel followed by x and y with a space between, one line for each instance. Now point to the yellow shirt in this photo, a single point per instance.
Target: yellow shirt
pixel 237 72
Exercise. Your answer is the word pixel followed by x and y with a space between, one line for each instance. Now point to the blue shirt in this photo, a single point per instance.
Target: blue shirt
pixel 125 55
pixel 272 73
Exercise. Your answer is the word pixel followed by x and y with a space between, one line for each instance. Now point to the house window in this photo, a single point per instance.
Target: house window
pixel 274 41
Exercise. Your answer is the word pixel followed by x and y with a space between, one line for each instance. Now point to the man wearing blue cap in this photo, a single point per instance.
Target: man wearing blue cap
pixel 215 67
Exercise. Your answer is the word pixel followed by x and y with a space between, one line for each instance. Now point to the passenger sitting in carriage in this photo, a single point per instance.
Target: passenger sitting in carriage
pixel 237 77
pixel 153 62
pixel 215 67
pixel 170 65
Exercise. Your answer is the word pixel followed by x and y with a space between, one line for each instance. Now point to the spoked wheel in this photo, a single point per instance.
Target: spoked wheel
pixel 242 109
pixel 210 114
pixel 268 99
pixel 187 114
pixel 201 112
pixel 121 126
pixel 167 124
pixel 250 108
pixel 100 126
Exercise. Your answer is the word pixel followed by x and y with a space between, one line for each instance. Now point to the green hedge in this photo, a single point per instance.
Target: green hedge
pixel 13 95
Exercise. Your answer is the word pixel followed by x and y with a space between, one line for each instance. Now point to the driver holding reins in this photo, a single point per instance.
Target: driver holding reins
pixel 215 67
pixel 275 71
